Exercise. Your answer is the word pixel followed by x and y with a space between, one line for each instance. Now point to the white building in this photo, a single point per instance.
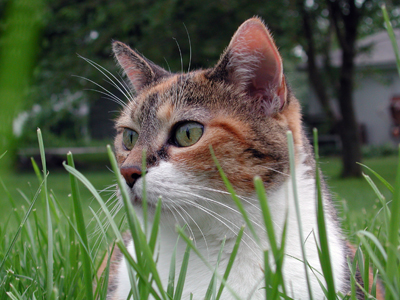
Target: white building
pixel 377 85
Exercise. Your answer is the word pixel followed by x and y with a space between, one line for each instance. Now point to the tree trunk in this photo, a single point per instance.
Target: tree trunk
pixel 314 74
pixel 346 17
pixel 348 127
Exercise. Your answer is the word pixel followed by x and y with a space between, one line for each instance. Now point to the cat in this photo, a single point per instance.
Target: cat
pixel 243 108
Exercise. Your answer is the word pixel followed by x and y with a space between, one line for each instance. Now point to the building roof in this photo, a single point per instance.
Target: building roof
pixel 376 51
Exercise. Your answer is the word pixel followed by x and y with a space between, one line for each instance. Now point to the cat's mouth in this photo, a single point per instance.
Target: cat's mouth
pixel 138 201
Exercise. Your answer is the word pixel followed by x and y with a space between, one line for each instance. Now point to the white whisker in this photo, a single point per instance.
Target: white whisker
pixel 124 90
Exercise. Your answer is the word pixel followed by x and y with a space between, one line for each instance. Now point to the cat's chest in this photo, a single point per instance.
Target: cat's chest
pixel 244 279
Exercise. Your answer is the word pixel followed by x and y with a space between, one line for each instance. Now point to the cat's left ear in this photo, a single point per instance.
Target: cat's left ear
pixel 253 64
pixel 140 71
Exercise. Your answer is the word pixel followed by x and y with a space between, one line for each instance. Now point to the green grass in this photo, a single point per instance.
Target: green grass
pixel 355 191
pixel 50 255
pixel 58 181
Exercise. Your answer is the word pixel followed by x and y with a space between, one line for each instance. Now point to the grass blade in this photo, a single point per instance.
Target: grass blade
pixel 189 242
pixel 1 156
pixel 277 254
pixel 171 276
pixel 80 223
pixel 296 201
pixel 49 275
pixel 387 184
pixel 211 290
pixel 156 226
pixel 110 219
pixel 322 233
pixel 20 227
pixel 234 197
pixel 393 236
pixel 230 262
pixel 392 37
pixel 182 274
pixel 138 235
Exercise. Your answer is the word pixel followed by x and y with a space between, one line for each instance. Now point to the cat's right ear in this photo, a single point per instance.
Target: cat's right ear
pixel 253 65
pixel 140 71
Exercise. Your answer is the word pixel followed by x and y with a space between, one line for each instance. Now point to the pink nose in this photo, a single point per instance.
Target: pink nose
pixel 131 174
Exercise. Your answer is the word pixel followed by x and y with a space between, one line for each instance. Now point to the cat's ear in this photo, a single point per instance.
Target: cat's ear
pixel 140 71
pixel 253 64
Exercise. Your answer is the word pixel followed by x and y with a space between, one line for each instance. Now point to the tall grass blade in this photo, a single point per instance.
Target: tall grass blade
pixel 277 254
pixel 144 194
pixel 383 180
pixel 1 156
pixel 37 170
pixel 155 227
pixel 189 242
pixel 182 274
pixel 381 199
pixel 14 239
pixel 322 233
pixel 392 37
pixel 230 262
pixel 49 275
pixel 113 225
pixel 366 271
pixel 84 248
pixel 234 197
pixel 297 206
pixel 138 236
pixel 81 226
pixel 393 236
pixel 139 239
pixel 171 276
pixel 211 290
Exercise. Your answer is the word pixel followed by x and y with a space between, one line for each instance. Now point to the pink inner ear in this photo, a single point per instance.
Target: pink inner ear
pixel 254 49
pixel 134 73
pixel 251 39
pixel 135 76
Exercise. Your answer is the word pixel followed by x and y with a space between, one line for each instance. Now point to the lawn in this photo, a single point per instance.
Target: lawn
pixel 52 257
pixel 356 192
pixel 59 182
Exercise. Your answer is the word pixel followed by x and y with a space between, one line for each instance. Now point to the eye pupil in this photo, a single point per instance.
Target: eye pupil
pixel 129 138
pixel 187 134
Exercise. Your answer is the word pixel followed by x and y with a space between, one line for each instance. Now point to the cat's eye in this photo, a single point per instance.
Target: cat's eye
pixel 129 138
pixel 188 133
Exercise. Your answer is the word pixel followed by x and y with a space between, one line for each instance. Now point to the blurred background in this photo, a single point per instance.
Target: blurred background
pixel 337 57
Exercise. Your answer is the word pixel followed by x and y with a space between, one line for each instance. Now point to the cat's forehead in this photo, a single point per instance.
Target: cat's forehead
pixel 179 97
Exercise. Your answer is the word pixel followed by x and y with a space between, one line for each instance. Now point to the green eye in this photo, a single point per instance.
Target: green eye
pixel 129 138
pixel 188 134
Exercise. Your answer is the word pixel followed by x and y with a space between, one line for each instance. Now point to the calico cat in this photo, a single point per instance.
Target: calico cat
pixel 243 108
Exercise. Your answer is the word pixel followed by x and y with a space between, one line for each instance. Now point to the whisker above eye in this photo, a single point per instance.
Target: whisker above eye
pixel 121 87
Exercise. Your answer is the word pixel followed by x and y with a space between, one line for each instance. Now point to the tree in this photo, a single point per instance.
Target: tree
pixel 346 16
pixel 348 19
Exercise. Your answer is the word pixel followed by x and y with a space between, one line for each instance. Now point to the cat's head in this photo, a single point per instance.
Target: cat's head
pixel 242 108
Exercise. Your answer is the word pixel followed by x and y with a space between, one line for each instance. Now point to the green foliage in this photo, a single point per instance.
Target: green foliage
pixel 18 50
pixel 378 151
pixel 167 32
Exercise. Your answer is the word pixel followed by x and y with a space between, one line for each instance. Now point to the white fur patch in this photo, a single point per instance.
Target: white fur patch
pixel 211 216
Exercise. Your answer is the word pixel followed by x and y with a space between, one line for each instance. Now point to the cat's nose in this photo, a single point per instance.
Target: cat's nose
pixel 131 174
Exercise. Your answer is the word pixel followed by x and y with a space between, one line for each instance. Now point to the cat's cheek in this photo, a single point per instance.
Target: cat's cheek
pixel 201 165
